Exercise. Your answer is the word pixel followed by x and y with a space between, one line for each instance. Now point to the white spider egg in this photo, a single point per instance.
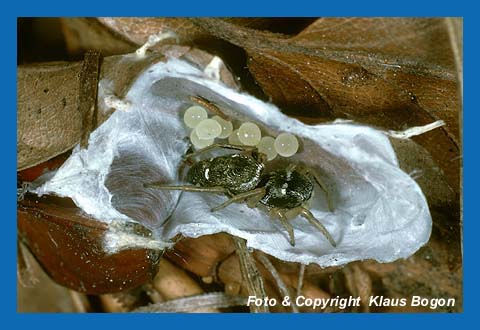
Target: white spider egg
pixel 233 138
pixel 286 144
pixel 266 147
pixel 249 134
pixel 208 129
pixel 194 115
pixel 199 143
pixel 227 127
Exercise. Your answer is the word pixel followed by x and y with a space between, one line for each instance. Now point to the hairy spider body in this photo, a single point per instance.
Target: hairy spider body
pixel 237 173
pixel 284 193
pixel 286 189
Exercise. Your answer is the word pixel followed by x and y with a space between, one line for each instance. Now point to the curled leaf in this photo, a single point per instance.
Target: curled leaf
pixel 392 73
pixel 49 113
pixel 380 213
pixel 69 246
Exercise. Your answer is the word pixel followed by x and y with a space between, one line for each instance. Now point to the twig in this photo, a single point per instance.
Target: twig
pixel 281 285
pixel 25 268
pixel 80 302
pixel 301 275
pixel 153 40
pixel 209 105
pixel 251 275
pixel 192 303
pixel 88 94
pixel 417 130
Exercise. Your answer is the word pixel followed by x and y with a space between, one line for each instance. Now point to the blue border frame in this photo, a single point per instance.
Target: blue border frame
pixel 245 8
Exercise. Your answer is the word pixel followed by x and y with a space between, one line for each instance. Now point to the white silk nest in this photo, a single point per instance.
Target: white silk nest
pixel 379 212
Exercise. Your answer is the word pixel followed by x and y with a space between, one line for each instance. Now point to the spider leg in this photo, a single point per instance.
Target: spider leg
pixel 239 197
pixel 309 216
pixel 160 186
pixel 183 163
pixel 322 185
pixel 288 226
pixel 253 201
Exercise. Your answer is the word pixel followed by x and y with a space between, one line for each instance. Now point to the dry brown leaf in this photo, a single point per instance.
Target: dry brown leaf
pixel 201 255
pixel 358 283
pixel 119 35
pixel 47 102
pixel 389 73
pixel 173 282
pixel 116 35
pixel 69 246
pixel 49 119
pixel 45 296
pixel 434 272
pixel 88 33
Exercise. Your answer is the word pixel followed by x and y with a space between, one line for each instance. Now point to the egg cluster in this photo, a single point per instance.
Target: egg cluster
pixel 205 130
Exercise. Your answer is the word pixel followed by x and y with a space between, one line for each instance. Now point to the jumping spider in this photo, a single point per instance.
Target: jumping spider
pixel 241 177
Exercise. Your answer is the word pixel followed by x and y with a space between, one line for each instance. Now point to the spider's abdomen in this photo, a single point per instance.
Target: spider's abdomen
pixel 237 173
pixel 286 189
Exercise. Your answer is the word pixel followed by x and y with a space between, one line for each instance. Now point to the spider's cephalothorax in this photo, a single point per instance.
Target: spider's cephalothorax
pixel 286 189
pixel 237 173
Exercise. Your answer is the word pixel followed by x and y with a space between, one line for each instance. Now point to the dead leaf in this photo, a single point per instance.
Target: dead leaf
pixel 46 102
pixel 45 296
pixel 137 29
pixel 117 35
pixel 49 119
pixel 391 73
pixel 88 33
pixel 201 255
pixel 69 246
